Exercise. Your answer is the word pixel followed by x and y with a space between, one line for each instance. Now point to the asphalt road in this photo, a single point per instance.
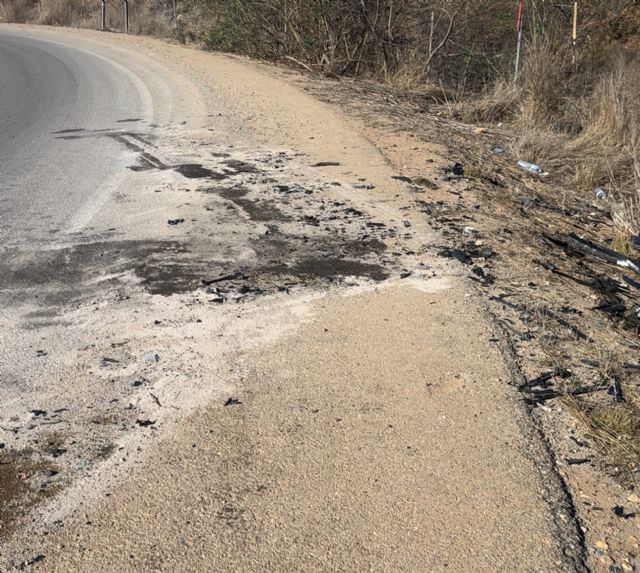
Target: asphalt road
pixel 47 88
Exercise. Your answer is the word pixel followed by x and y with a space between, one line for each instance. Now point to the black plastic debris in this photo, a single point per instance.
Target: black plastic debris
pixel 174 222
pixel 544 380
pixel 457 254
pixel 456 169
pixel 38 413
pixel 603 253
pixel 538 396
pixel 145 423
pixel 232 402
pixel 577 461
pixel 620 512
pixel 615 390
pixel 41 353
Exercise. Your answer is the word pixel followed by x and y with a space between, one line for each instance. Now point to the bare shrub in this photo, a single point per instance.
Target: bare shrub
pixel 501 102
pixel 67 12
pixel 18 11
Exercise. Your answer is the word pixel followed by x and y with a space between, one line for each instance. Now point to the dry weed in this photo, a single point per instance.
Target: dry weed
pixel 18 11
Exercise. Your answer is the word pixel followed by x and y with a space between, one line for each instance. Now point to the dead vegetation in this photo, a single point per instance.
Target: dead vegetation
pixel 148 18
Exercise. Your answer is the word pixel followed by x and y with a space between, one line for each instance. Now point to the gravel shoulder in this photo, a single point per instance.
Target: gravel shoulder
pixel 347 412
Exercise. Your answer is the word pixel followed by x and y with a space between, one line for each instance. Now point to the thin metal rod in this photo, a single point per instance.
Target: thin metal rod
pixel 519 48
pixel 104 16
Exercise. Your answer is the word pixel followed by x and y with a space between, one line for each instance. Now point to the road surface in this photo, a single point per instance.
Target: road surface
pixel 226 345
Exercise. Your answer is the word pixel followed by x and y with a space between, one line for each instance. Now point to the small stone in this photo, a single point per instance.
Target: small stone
pixel 602 545
pixel 634 498
pixel 152 357
pixel 626 566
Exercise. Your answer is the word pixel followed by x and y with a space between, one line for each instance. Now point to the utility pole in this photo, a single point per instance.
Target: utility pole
pixel 519 48
pixel 103 12
pixel 175 15
pixel 126 16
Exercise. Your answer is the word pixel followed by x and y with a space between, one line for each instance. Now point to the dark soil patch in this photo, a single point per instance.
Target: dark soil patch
pixel 261 211
pixel 17 492
pixel 197 171
pixel 58 276
pixel 314 268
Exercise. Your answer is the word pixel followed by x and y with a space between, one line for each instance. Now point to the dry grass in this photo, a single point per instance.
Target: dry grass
pixel 614 428
pixel 499 103
pixel 18 11
pixel 80 13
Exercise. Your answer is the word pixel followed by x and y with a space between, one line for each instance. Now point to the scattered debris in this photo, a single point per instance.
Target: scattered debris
pixel 577 461
pixel 174 222
pixel 600 193
pixel 603 253
pixel 38 413
pixel 620 512
pixel 41 353
pixel 152 358
pixel 530 167
pixel 326 164
pixel 232 402
pixel 616 391
pixel 218 295
pixel 543 381
pixel 145 423
pixel 238 275
pixel 37 559
pixel 457 169
pixel 538 396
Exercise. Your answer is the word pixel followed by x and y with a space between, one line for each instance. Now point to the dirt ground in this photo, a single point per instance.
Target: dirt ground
pixel 345 398
pixel 568 316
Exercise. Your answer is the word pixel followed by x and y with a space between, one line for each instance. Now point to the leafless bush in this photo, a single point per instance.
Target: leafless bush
pixel 17 10
pixel 67 12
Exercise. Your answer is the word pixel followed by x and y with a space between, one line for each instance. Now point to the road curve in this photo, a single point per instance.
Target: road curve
pixel 226 345
pixel 48 90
